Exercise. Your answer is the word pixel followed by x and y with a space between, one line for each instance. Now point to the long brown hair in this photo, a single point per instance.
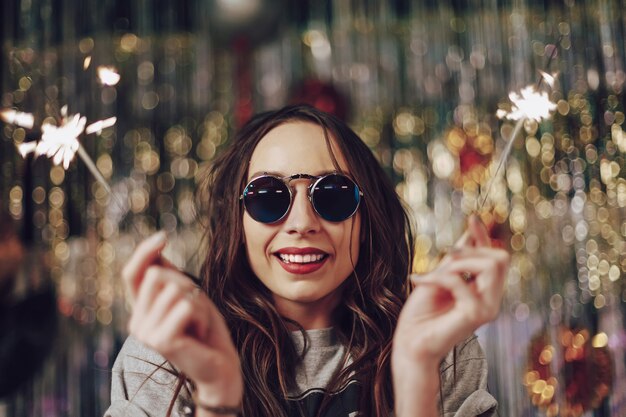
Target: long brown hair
pixel 373 295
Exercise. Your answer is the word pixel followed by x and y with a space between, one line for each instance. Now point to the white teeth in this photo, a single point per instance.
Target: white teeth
pixel 300 259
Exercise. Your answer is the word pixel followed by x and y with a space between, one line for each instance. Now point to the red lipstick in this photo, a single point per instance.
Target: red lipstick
pixel 301 260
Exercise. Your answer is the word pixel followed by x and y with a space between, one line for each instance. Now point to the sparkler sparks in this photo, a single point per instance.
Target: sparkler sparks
pixel 14 117
pixel 61 142
pixel 108 75
pixel 530 104
pixel 99 125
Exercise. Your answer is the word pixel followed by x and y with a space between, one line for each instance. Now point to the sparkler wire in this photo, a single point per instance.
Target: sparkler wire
pixel 503 157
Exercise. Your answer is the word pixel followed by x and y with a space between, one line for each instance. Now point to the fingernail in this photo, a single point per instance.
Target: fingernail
pixel 158 237
pixel 415 277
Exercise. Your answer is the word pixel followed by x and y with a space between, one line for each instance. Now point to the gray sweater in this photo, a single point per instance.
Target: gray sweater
pixel 143 382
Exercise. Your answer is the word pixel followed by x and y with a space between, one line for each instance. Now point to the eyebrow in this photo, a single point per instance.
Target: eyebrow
pixel 282 174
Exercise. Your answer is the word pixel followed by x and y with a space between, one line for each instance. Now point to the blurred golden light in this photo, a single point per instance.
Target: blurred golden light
pixel 600 340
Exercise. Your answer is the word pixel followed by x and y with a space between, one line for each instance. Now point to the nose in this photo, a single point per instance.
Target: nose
pixel 302 218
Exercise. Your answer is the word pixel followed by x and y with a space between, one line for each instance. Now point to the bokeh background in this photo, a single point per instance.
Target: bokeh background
pixel 420 81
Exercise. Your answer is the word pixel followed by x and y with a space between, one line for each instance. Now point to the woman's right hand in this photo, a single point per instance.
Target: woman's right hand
pixel 175 318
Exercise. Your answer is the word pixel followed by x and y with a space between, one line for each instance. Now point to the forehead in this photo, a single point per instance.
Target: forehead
pixel 294 148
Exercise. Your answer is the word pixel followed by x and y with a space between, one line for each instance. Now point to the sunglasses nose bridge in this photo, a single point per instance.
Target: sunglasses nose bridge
pixel 302 217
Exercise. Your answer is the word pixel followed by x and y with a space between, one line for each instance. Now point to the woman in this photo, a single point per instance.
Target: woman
pixel 306 307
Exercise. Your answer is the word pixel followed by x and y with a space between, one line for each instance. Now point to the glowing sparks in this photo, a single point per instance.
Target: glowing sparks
pixel 549 79
pixel 57 142
pixel 26 148
pixel 97 127
pixel 108 75
pixel 86 62
pixel 530 104
pixel 14 117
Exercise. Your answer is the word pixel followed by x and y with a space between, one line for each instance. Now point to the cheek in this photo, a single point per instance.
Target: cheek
pixel 347 239
pixel 356 240
pixel 256 238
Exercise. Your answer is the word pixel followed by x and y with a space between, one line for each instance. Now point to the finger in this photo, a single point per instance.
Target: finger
pixel 414 279
pixel 146 254
pixel 478 259
pixel 479 232
pixel 489 272
pixel 188 317
pixel 450 283
pixel 447 281
pixel 156 311
pixel 472 308
pixel 490 265
pixel 464 240
pixel 155 279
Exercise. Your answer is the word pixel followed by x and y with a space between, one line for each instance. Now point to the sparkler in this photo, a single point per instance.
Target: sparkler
pixel 529 104
pixel 60 143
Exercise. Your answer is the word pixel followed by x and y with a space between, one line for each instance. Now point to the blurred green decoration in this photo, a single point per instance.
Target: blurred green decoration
pixel 421 83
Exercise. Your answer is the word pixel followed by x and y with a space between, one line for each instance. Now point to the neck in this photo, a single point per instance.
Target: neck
pixel 313 315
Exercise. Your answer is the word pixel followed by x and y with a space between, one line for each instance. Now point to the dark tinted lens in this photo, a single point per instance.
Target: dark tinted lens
pixel 336 197
pixel 266 199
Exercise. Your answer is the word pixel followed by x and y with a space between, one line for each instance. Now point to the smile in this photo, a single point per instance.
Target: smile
pixel 301 260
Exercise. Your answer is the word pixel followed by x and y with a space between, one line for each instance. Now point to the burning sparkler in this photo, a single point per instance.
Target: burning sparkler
pixel 529 104
pixel 60 143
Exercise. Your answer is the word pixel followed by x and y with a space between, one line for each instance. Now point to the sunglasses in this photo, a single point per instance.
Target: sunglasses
pixel 334 197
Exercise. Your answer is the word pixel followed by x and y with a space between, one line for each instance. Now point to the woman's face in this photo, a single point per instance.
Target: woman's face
pixel 303 281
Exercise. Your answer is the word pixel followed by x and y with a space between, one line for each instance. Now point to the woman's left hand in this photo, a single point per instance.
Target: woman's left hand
pixel 446 306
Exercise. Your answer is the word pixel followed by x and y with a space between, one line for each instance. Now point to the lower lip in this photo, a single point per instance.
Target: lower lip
pixel 296 268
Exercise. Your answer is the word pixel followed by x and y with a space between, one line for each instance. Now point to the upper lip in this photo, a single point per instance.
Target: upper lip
pixel 300 251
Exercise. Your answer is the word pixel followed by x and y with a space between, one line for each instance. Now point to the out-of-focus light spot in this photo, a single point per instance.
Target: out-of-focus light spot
pixel 39 195
pixel 522 312
pixel 105 165
pixel 25 83
pixel 600 340
pixel 129 42
pixel 404 123
pixel 57 175
pixel 599 301
pixel 593 78
pixel 149 100
pixel 319 44
pixel 443 162
pixel 614 273
pixel 546 355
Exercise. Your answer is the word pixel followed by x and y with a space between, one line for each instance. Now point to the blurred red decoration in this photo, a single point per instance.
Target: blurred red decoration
pixel 321 95
pixel 583 363
pixel 474 150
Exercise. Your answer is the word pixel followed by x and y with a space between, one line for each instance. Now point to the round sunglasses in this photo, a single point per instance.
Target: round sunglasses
pixel 334 197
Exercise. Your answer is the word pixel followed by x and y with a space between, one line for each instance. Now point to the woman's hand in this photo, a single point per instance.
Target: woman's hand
pixel 446 306
pixel 175 318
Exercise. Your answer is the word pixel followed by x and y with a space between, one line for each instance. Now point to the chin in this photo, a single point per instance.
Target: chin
pixel 302 297
pixel 298 294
